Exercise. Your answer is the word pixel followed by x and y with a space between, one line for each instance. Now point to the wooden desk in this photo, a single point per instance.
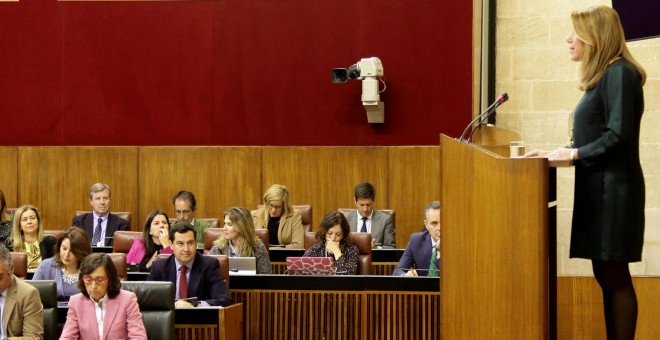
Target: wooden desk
pixel 383 261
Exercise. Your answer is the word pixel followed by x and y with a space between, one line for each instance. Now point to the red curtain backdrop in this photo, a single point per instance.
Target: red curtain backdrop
pixel 226 72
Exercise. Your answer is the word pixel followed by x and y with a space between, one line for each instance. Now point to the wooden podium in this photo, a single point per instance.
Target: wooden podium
pixel 498 260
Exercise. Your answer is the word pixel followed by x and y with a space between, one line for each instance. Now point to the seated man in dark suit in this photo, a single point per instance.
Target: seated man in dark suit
pixel 100 224
pixel 21 308
pixel 201 277
pixel 366 219
pixel 423 248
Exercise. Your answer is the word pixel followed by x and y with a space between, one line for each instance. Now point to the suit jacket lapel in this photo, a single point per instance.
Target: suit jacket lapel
pixel 88 319
pixel 376 224
pixel 195 276
pixel 352 220
pixel 109 231
pixel 110 315
pixel 170 270
pixel 426 249
pixel 10 302
pixel 88 224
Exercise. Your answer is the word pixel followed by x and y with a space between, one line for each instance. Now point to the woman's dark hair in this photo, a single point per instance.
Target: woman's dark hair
pixel 47 247
pixel 78 244
pixel 4 215
pixel 330 220
pixel 146 234
pixel 96 260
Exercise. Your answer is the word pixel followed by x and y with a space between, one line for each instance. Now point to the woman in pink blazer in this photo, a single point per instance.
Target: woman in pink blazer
pixel 155 240
pixel 102 310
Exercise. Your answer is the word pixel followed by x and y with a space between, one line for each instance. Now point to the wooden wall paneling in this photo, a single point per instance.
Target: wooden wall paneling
pixel 325 176
pixel 580 308
pixel 9 175
pixel 413 181
pixel 219 177
pixel 57 179
pixel 647 289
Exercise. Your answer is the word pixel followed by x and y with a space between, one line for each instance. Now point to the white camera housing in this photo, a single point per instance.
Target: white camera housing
pixel 370 67
pixel 369 70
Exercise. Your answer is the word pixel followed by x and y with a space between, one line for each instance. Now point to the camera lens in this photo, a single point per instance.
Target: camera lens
pixel 339 75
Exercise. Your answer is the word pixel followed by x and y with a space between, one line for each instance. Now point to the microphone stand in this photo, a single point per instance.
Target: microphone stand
pixel 500 100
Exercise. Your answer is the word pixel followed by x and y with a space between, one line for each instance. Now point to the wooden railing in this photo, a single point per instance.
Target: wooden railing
pixel 284 314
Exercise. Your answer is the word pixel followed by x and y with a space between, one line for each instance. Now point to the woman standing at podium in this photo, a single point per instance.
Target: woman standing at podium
pixel 608 213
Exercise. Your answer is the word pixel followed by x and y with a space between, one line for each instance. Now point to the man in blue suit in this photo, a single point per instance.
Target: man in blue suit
pixel 420 250
pixel 194 275
pixel 100 224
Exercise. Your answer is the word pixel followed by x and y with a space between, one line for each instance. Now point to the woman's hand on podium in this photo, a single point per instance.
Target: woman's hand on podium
pixel 537 153
pixel 561 154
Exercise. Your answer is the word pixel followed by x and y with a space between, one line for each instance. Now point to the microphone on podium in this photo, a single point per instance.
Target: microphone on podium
pixel 499 101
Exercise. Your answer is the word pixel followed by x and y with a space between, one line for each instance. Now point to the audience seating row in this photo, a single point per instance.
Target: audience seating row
pixel 305 211
pixel 20 264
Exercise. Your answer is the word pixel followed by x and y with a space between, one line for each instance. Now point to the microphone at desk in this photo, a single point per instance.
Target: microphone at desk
pixel 499 101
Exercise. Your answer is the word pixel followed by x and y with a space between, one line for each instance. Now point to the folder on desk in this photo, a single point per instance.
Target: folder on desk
pixel 310 266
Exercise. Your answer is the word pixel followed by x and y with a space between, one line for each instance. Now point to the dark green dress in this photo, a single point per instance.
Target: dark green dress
pixel 608 213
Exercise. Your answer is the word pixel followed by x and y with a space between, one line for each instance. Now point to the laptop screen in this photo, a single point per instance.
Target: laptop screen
pixel 310 266
pixel 242 266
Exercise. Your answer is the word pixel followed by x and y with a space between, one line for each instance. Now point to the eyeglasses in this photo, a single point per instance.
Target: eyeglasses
pixel 275 207
pixel 99 279
pixel 182 212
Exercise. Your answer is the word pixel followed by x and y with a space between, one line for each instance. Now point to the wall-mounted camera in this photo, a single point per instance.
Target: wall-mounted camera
pixel 370 71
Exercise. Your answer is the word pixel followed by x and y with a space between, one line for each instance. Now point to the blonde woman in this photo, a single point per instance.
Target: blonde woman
pixel 608 211
pixel 28 236
pixel 240 240
pixel 283 222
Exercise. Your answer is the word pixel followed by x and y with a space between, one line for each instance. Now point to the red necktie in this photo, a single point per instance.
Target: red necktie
pixel 183 284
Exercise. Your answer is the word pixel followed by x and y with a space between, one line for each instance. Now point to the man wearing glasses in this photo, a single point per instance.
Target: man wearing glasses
pixel 184 209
